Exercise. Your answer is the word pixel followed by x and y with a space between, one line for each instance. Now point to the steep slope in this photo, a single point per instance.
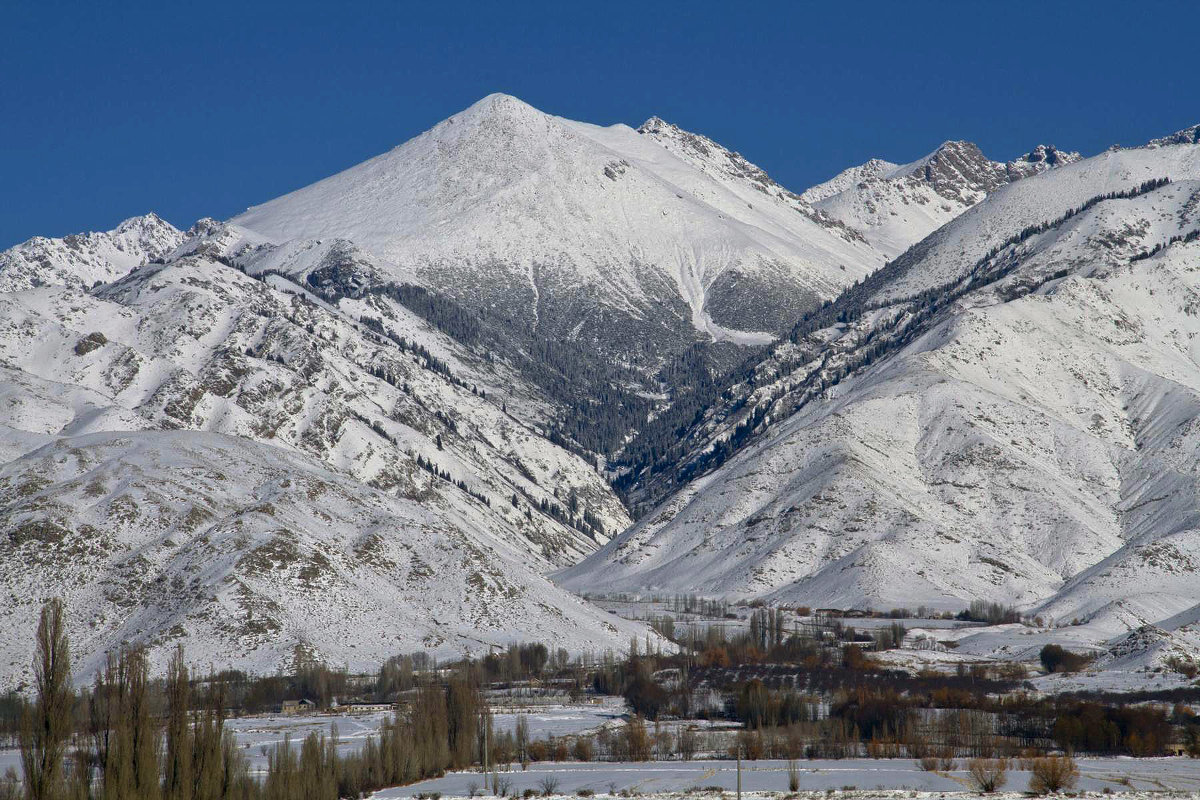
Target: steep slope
pixel 195 344
pixel 243 552
pixel 1020 411
pixel 630 240
pixel 83 259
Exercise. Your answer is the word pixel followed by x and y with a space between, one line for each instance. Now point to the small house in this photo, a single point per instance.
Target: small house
pixel 302 706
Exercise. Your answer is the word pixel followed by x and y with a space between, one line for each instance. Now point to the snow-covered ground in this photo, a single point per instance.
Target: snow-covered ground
pixel 1096 774
pixel 560 719
pixel 196 408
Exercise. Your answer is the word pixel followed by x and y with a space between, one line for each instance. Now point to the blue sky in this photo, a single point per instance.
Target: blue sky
pixel 111 110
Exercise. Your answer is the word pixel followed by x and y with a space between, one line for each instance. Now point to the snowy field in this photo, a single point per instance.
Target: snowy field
pixel 560 719
pixel 1096 774
pixel 258 733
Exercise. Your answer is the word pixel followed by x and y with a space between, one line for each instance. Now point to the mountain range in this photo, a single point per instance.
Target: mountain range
pixel 413 404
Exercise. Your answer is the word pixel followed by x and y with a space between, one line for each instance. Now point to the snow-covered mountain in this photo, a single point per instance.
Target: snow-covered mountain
pixel 83 259
pixel 1006 412
pixel 641 241
pixel 372 415
pixel 894 206
pixel 397 486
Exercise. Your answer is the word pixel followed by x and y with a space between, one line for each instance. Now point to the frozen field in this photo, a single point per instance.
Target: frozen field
pixel 1096 774
pixel 560 719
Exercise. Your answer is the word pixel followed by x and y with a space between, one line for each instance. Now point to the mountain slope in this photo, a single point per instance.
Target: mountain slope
pixel 194 344
pixel 1020 411
pixel 242 552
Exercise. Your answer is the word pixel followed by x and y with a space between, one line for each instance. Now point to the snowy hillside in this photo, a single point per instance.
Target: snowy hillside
pixel 242 552
pixel 194 344
pixel 641 240
pixel 1023 432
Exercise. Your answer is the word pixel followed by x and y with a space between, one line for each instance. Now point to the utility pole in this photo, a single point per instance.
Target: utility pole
pixel 486 725
pixel 739 769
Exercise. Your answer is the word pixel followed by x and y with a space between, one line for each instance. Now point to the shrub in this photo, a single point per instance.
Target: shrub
pixel 1057 659
pixel 548 785
pixel 987 774
pixel 928 763
pixel 1053 774
pixel 793 775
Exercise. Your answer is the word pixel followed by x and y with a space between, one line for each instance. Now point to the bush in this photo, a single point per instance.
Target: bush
pixel 1056 659
pixel 1053 774
pixel 549 785
pixel 793 775
pixel 987 774
pixel 929 763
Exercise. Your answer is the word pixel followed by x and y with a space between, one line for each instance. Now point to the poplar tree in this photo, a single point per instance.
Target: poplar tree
pixel 46 727
pixel 177 777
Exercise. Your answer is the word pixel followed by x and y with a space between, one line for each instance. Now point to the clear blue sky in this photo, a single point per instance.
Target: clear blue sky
pixel 201 109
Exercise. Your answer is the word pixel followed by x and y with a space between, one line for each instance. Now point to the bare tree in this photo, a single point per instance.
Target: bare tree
pixel 1053 774
pixel 987 774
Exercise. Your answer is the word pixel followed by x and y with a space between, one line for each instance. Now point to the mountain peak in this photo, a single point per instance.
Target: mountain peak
pixel 957 169
pixel 499 106
pixel 147 221
pixel 82 259
pixel 656 125
pixel 1050 155
pixel 1186 136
